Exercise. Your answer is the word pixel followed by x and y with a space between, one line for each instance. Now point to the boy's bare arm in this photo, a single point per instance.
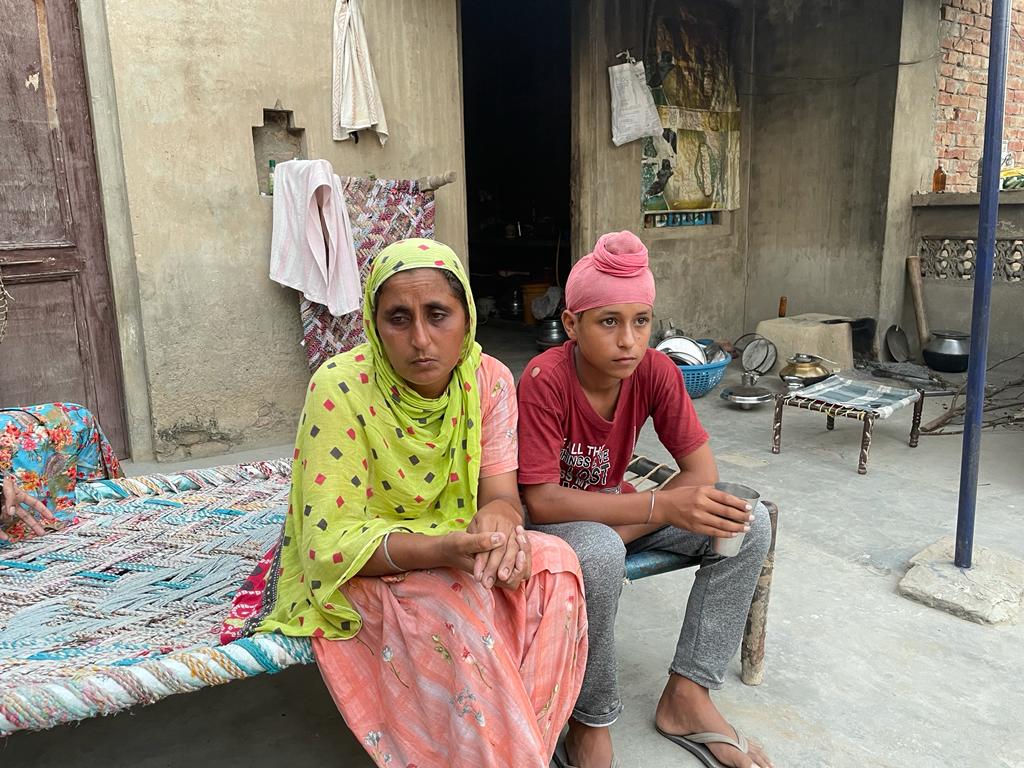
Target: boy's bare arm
pixel 551 503
pixel 695 468
pixel 688 501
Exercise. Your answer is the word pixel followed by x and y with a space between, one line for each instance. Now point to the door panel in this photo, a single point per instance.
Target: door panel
pixel 33 192
pixel 62 336
pixel 58 377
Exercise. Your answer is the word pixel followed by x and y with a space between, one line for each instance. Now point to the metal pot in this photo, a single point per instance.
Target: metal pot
pixel 511 307
pixel 667 330
pixel 550 333
pixel 948 351
pixel 805 369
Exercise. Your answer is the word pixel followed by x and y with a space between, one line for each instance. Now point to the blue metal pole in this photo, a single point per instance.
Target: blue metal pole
pixel 989 207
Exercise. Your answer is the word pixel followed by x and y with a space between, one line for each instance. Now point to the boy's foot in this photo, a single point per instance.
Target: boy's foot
pixel 588 747
pixel 686 707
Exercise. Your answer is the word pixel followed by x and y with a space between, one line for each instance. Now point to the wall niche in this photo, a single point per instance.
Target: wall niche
pixel 278 139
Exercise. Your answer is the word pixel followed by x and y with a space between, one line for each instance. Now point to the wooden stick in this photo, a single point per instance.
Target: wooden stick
pixel 436 182
pixel 917 293
pixel 752 655
pixel 953 411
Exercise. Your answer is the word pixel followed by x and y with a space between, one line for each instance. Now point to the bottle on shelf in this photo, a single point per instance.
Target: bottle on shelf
pixel 939 179
pixel 270 177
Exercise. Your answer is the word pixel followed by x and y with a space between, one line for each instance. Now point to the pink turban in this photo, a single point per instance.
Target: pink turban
pixel 615 273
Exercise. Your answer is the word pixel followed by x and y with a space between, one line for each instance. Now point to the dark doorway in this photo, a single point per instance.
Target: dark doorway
pixel 517 92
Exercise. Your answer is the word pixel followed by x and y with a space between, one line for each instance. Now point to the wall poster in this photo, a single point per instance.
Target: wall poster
pixel 695 163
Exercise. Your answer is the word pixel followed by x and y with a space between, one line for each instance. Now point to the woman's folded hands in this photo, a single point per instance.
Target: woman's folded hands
pixel 503 557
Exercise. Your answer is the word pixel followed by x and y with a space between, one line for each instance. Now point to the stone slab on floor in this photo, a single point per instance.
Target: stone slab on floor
pixel 990 592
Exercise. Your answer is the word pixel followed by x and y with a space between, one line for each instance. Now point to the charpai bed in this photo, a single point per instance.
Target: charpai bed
pixel 126 606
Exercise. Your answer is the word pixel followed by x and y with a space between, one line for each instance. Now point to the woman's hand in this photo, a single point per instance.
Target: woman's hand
pixel 461 549
pixel 703 509
pixel 505 566
pixel 13 499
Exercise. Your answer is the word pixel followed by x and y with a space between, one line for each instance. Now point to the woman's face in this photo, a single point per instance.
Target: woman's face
pixel 421 324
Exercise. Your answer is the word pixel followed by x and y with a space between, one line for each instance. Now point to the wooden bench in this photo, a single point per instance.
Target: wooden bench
pixel 646 475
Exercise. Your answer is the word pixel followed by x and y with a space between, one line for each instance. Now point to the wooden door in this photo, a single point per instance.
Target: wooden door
pixel 61 341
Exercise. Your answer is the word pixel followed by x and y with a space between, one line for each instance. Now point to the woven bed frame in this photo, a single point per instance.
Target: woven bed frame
pixel 832 410
pixel 124 608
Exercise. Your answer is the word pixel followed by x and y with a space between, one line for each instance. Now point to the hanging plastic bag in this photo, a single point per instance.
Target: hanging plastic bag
pixel 634 114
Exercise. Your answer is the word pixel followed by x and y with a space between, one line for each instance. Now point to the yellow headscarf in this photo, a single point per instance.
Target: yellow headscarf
pixel 373 456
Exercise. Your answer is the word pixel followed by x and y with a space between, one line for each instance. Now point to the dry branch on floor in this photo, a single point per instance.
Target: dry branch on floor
pixel 1004 405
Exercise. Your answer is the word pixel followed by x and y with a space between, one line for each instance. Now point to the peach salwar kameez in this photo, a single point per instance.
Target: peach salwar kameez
pixel 447 673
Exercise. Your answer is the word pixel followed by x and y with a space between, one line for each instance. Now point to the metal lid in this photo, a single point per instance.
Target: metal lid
pixel 747 395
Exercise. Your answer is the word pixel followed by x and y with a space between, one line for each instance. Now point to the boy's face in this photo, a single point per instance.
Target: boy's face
pixel 612 339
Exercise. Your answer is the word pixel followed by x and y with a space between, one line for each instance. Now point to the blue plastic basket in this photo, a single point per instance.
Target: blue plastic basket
pixel 701 379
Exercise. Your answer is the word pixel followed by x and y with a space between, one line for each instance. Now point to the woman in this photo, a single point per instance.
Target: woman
pixel 447 635
pixel 45 450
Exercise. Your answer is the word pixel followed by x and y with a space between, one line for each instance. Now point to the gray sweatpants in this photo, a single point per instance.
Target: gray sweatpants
pixel 716 611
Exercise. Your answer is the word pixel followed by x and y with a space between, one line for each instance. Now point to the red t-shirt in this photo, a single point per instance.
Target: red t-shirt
pixel 562 439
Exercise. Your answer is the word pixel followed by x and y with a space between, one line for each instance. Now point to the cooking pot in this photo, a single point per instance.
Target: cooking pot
pixel 805 369
pixel 948 351
pixel 511 305
pixel 550 333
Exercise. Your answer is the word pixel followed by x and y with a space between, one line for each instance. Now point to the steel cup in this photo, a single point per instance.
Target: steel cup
pixel 727 547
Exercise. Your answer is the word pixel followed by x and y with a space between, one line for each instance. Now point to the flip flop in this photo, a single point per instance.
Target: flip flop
pixel 562 757
pixel 694 743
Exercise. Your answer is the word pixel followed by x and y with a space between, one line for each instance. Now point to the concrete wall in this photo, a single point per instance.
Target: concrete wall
pixel 223 365
pixel 911 163
pixel 817 93
pixel 700 271
pixel 824 93
pixel 948 302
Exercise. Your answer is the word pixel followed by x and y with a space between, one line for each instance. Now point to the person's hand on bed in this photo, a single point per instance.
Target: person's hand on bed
pixel 505 566
pixel 19 505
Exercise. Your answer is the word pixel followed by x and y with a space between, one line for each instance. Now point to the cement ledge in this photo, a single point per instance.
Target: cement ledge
pixel 935 199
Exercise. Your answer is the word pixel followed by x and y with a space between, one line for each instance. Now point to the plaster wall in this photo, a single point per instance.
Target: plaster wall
pixel 223 364
pixel 910 157
pixel 700 271
pixel 824 92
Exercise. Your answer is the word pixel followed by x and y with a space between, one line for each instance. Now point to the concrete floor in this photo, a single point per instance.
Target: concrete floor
pixel 856 675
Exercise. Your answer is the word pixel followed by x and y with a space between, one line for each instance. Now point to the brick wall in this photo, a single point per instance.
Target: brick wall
pixel 963 79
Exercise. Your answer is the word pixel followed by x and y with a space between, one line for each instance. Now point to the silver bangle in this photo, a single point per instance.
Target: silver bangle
pixel 387 555
pixel 650 512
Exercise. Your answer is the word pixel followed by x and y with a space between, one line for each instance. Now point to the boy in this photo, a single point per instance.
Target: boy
pixel 581 408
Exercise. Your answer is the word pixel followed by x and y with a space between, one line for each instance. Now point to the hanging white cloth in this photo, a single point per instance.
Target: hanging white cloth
pixel 311 249
pixel 356 103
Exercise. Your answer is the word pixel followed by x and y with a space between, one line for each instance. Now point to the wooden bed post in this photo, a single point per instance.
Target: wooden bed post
pixel 777 426
pixel 915 424
pixel 865 445
pixel 752 657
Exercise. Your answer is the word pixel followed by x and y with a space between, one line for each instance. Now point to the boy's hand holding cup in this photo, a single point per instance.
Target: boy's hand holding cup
pixel 729 546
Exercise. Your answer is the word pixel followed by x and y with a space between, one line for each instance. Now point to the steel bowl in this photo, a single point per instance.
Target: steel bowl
pixel 684 347
pixel 747 397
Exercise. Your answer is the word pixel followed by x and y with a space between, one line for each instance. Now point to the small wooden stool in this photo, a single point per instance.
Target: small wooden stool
pixel 852 399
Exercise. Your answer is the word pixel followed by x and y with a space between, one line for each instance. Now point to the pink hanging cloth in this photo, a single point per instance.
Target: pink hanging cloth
pixel 311 249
